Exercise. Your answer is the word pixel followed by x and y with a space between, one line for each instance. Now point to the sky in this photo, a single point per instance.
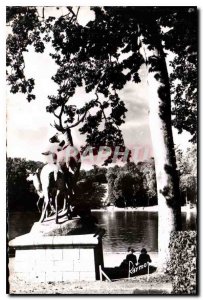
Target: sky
pixel 28 124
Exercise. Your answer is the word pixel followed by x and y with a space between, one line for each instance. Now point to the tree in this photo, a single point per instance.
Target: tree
pixel 132 185
pixel 123 189
pixel 125 27
pixel 89 193
pixel 140 197
pixel 29 28
pixel 128 190
pixel 93 55
pixel 187 166
pixel 147 169
pixel 97 174
pixel 183 78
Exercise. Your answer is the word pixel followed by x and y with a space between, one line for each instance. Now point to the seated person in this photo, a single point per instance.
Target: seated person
pixel 131 257
pixel 129 250
pixel 144 257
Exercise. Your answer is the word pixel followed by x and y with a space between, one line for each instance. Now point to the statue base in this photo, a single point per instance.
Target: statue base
pixel 57 258
pixel 78 225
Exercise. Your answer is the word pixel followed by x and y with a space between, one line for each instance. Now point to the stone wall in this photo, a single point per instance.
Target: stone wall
pixel 51 259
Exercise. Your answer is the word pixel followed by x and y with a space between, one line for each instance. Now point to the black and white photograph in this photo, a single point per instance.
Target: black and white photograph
pixel 101 149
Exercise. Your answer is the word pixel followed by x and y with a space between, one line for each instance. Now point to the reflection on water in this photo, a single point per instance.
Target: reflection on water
pixel 123 229
pixel 136 229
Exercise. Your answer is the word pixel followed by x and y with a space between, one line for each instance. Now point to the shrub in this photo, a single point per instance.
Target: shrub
pixel 182 265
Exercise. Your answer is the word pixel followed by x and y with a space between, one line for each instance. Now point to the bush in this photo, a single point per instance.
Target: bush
pixel 182 265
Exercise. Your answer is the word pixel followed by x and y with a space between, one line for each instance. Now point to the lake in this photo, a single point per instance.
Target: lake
pixel 123 228
pixel 136 229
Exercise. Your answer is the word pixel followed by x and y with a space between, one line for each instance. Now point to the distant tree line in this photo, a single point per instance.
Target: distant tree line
pixel 130 185
pixel 90 187
pixel 135 184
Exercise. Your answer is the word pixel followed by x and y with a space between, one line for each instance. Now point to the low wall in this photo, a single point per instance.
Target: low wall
pixel 57 258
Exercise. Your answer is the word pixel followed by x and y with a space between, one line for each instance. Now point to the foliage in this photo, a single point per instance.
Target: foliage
pixel 20 194
pixel 67 38
pixel 132 184
pixel 92 55
pixel 183 25
pixel 147 169
pixel 138 181
pixel 125 187
pixel 182 265
pixel 97 174
pixel 89 193
pixel 90 188
pixel 187 166
pixel 26 31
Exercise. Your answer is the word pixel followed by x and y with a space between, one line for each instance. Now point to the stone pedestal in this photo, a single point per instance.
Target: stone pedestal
pixel 57 258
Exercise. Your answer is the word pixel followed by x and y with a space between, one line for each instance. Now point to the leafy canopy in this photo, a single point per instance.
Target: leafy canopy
pixel 102 56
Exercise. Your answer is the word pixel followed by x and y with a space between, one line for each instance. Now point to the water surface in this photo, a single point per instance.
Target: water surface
pixel 134 228
pixel 123 228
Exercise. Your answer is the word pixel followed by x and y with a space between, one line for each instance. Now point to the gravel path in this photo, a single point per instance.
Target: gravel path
pixel 157 284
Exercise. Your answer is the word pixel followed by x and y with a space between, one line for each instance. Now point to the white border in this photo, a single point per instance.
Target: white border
pixel 103 3
pixel 3 5
pixel 2 154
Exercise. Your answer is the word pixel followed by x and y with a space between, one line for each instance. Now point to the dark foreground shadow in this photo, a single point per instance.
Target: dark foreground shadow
pixel 118 272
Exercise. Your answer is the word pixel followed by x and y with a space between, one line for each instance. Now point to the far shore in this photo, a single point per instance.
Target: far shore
pixel 142 208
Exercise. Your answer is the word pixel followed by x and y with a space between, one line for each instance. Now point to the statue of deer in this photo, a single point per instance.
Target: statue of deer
pixel 67 158
pixel 55 186
pixel 34 177
pixel 50 184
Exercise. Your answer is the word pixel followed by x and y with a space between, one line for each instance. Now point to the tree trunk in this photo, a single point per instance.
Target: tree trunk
pixel 169 209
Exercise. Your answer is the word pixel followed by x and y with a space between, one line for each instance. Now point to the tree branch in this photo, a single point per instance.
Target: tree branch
pixel 97 100
pixel 78 122
pixel 77 11
pixel 73 14
pixel 59 117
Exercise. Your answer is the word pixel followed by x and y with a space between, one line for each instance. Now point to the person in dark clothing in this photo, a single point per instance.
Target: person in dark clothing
pixel 131 257
pixel 129 251
pixel 144 257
